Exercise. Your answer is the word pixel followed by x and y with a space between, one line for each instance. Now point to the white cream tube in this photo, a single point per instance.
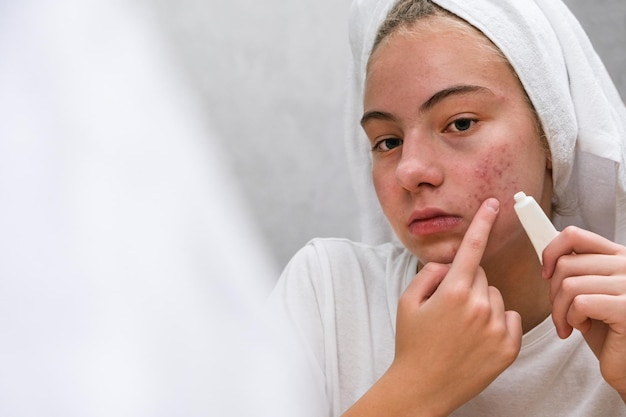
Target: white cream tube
pixel 538 226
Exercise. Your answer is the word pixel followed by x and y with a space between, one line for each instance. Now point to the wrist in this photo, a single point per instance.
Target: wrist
pixel 419 396
pixel 395 394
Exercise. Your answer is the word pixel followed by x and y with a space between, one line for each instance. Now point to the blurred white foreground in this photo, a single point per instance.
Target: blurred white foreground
pixel 130 274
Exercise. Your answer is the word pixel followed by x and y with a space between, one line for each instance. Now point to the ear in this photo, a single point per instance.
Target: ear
pixel 546 148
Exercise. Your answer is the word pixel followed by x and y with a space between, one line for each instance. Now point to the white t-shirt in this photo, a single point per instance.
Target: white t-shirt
pixel 341 298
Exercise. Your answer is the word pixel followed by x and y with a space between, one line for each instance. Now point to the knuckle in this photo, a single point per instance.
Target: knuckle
pixel 562 266
pixel 572 232
pixel 458 294
pixel 482 307
pixel 475 243
pixel 435 268
pixel 579 303
pixel 569 286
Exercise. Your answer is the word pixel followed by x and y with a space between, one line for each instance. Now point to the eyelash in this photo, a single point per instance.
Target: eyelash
pixel 377 145
pixel 462 119
pixel 472 122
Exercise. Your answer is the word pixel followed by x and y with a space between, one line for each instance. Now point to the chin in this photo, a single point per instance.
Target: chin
pixel 439 253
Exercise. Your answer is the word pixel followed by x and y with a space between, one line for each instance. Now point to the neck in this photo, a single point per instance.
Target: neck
pixel 520 283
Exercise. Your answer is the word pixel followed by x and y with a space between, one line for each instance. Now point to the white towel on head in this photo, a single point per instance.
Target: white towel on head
pixel 580 109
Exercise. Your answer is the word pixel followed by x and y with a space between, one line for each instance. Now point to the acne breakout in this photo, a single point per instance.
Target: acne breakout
pixel 538 226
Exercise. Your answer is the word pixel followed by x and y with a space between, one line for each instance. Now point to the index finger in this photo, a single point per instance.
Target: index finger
pixel 472 247
pixel 576 240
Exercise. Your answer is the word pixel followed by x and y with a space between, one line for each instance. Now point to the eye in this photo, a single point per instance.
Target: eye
pixel 387 144
pixel 461 125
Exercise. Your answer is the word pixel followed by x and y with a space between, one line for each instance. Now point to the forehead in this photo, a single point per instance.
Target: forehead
pixel 441 25
pixel 437 53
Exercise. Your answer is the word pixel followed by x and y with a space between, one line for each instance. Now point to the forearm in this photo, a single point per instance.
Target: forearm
pixel 394 396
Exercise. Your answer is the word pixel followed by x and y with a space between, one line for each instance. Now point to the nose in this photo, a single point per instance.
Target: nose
pixel 420 164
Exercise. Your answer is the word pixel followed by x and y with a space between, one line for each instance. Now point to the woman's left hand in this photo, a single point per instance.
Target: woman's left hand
pixel 588 293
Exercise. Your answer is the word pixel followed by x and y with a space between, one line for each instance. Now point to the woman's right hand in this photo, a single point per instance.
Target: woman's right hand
pixel 453 336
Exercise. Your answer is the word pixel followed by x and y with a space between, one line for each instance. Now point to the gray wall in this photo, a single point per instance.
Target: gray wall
pixel 605 23
pixel 270 75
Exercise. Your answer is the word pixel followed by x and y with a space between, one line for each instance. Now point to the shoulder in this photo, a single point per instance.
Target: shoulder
pixel 343 264
pixel 336 253
pixel 338 249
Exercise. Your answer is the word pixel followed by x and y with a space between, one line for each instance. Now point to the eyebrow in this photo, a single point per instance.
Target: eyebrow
pixel 457 90
pixel 376 115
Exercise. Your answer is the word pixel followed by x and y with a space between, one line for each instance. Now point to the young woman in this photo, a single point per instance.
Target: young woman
pixel 463 105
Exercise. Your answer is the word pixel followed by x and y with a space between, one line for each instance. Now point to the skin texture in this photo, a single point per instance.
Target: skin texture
pixel 453 139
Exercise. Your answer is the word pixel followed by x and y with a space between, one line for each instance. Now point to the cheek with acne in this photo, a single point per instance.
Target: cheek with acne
pixel 493 176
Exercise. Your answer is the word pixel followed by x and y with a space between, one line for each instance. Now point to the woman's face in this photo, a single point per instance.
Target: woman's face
pixel 449 126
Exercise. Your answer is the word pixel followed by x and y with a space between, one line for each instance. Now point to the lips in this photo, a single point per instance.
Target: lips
pixel 432 221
